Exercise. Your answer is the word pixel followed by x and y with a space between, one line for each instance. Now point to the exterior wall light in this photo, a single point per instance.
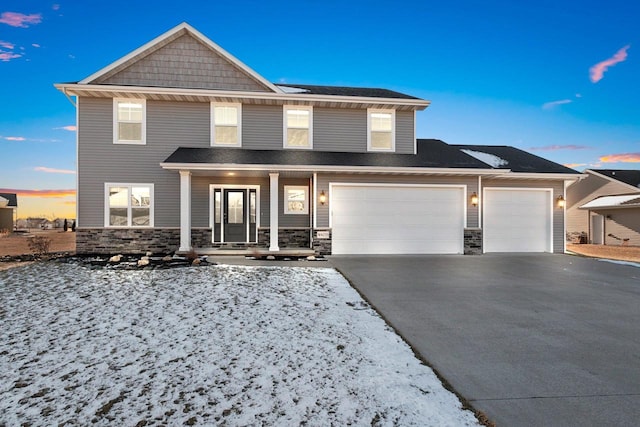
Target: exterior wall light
pixel 560 201
pixel 474 199
pixel 323 198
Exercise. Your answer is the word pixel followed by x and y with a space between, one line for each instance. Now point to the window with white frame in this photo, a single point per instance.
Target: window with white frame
pixel 381 130
pixel 129 121
pixel 128 205
pixel 296 199
pixel 226 124
pixel 298 128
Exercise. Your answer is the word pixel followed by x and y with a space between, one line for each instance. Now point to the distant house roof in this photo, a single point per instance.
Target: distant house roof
pixel 630 177
pixel 343 91
pixel 613 202
pixel 505 157
pixel 431 153
pixel 12 198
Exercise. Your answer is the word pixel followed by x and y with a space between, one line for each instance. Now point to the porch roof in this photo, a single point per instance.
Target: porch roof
pixel 613 202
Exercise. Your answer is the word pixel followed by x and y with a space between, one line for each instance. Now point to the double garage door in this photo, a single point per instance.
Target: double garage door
pixel 392 219
pixel 377 219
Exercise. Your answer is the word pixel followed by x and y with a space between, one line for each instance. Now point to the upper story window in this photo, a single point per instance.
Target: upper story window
pixel 129 121
pixel 226 128
pixel 298 128
pixel 128 205
pixel 381 130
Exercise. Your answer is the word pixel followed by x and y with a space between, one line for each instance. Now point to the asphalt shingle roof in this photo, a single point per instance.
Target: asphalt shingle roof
pixel 12 198
pixel 518 160
pixel 348 91
pixel 631 177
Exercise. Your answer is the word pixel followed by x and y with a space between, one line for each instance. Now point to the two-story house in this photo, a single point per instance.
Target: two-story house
pixel 181 146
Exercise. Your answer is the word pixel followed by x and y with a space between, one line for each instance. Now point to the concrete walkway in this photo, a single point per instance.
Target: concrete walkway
pixel 530 340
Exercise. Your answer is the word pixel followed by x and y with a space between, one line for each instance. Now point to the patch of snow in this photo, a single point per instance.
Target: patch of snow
pixel 615 261
pixel 490 159
pixel 605 201
pixel 287 89
pixel 211 345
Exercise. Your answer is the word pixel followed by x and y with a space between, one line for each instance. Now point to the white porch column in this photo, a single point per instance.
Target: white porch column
pixel 273 208
pixel 185 211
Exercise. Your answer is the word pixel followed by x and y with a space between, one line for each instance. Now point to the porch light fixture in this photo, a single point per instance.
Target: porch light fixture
pixel 474 199
pixel 323 198
pixel 560 201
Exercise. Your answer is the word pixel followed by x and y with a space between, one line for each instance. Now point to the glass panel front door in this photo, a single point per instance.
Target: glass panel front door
pixel 235 219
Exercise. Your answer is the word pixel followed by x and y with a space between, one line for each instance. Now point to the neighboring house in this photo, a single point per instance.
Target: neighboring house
pixel 8 209
pixel 605 207
pixel 181 146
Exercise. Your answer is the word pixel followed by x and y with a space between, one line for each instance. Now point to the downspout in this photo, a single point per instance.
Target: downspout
pixel 312 217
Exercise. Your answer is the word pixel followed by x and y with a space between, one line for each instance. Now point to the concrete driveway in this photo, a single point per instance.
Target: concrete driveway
pixel 530 340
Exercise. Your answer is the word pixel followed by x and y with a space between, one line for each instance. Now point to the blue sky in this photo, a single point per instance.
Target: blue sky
pixel 557 78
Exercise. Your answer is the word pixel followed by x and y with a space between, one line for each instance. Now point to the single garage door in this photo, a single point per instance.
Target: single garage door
pixel 517 220
pixel 378 219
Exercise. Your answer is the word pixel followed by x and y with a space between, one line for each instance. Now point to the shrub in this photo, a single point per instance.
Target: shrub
pixel 39 245
pixel 4 232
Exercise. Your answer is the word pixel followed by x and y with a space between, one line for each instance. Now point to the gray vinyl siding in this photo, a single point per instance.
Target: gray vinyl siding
pixel 290 220
pixel 325 179
pixel 185 63
pixel 558 213
pixel 581 192
pixel 262 127
pixel 623 224
pixel 169 125
pixel 339 130
pixel 405 138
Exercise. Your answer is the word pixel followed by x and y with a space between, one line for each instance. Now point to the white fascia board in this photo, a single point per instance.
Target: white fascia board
pixel 617 181
pixel 199 36
pixel 77 89
pixel 553 176
pixel 329 168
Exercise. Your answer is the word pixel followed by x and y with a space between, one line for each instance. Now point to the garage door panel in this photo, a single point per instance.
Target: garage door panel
pixel 517 220
pixel 397 219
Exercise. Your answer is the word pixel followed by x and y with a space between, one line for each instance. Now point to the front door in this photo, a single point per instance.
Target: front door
pixel 235 218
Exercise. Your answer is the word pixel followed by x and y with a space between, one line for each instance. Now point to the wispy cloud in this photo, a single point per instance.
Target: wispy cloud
pixel 15 138
pixel 574 165
pixel 21 20
pixel 35 45
pixel 53 170
pixel 22 138
pixel 39 193
pixel 70 128
pixel 550 105
pixel 8 56
pixel 55 7
pixel 7 45
pixel 621 158
pixel 560 147
pixel 597 71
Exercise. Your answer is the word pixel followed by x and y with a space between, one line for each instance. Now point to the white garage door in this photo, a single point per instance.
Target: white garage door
pixel 517 220
pixel 397 219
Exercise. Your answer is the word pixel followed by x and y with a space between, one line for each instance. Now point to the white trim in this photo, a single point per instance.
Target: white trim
pixel 539 175
pixel 75 89
pixel 212 120
pixel 315 202
pixel 330 168
pixel 77 105
pixel 415 138
pixel 285 200
pixel 392 112
pixel 273 212
pixel 198 35
pixel 551 203
pixel 129 185
pixel 564 216
pixel 143 140
pixel 480 200
pixel 617 181
pixel 213 188
pixel 185 211
pixel 285 126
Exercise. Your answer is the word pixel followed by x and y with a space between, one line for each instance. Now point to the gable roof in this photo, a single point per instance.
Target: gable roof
pixel 629 177
pixel 613 202
pixel 12 198
pixel 432 153
pixel 343 91
pixel 514 159
pixel 167 37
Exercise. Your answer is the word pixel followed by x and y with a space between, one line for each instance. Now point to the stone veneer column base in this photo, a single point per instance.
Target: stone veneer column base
pixel 287 237
pixel 473 241
pixel 322 241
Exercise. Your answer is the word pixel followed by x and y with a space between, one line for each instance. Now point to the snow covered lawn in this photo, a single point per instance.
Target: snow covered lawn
pixel 224 345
